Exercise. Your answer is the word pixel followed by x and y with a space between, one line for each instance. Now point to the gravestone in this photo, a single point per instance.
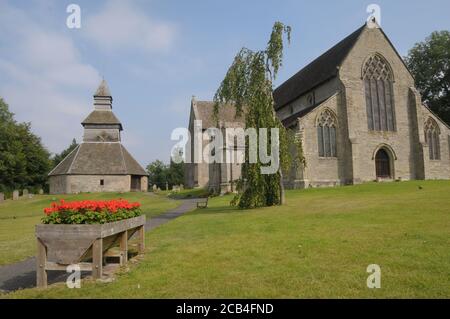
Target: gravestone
pixel 181 187
pixel 167 186
pixel 25 193
pixel 155 188
pixel 30 196
pixel 41 192
pixel 15 195
pixel 2 197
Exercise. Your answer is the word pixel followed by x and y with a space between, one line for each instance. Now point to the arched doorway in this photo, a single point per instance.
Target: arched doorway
pixel 383 164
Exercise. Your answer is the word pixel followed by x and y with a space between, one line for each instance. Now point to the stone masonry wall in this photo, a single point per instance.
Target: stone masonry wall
pixel 437 169
pixel 91 183
pixel 364 142
pixel 58 184
pixel 320 171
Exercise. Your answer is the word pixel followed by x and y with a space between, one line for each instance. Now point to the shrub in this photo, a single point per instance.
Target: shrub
pixel 90 212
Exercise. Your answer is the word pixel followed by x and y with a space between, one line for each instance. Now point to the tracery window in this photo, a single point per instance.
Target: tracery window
pixel 326 134
pixel 432 133
pixel 378 79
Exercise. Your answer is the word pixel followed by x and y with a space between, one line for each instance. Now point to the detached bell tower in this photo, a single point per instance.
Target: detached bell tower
pixel 100 163
pixel 102 125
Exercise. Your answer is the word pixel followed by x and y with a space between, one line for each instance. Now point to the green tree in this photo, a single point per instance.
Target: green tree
pixel 158 172
pixel 429 62
pixel 59 157
pixel 24 161
pixel 175 171
pixel 248 86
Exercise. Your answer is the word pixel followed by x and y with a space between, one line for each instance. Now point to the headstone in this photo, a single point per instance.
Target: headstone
pixel 181 187
pixel 159 189
pixel 16 195
pixel 30 196
pixel 2 197
pixel 25 193
pixel 167 186
pixel 41 192
pixel 155 188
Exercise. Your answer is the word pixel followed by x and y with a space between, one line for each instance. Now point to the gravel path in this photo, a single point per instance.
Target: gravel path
pixel 23 274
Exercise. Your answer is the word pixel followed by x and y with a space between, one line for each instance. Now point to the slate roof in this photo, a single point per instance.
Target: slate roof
pixel 205 112
pixel 287 122
pixel 320 70
pixel 102 117
pixel 99 159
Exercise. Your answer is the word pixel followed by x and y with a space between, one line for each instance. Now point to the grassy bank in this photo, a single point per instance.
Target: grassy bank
pixel 318 245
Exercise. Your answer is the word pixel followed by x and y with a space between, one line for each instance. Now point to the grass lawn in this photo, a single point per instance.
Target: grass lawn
pixel 186 193
pixel 18 218
pixel 318 245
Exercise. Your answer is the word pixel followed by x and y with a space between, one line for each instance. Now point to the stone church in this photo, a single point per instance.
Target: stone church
pixel 100 163
pixel 217 177
pixel 360 118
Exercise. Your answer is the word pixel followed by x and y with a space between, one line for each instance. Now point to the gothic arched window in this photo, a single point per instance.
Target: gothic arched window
pixel 326 134
pixel 378 79
pixel 432 133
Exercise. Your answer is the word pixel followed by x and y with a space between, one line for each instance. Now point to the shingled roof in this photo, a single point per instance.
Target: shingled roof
pixel 99 159
pixel 204 111
pixel 320 70
pixel 102 117
pixel 103 89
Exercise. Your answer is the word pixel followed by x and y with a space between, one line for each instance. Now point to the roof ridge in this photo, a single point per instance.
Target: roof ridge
pixel 322 68
pixel 435 115
pixel 54 169
pixel 123 158
pixel 131 158
pixel 74 158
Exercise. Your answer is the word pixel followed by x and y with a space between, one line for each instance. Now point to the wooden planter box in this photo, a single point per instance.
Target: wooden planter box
pixel 85 245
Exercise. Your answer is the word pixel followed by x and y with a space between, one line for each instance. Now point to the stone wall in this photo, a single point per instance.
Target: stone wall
pixel 437 169
pixel 58 185
pixel 73 184
pixel 101 134
pixel 363 143
pixel 318 171
pixel 144 184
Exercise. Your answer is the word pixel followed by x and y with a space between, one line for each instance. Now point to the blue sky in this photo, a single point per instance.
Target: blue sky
pixel 156 54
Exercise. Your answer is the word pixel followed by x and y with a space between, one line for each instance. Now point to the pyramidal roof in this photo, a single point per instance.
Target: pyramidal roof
pixel 103 89
pixel 102 117
pixel 99 159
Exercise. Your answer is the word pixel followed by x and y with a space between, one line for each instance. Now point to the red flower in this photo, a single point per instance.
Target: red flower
pixel 110 206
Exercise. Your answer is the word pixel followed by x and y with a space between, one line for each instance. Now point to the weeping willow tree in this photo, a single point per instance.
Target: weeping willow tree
pixel 248 87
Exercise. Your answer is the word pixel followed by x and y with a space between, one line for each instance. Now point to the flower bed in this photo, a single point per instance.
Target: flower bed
pixel 90 212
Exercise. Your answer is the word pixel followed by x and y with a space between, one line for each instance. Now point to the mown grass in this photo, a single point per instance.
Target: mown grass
pixel 316 246
pixel 188 193
pixel 18 218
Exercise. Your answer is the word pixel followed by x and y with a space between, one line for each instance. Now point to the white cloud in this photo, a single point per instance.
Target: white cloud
pixel 42 78
pixel 122 26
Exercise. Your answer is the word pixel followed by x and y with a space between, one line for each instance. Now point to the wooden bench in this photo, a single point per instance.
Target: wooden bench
pixel 202 203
